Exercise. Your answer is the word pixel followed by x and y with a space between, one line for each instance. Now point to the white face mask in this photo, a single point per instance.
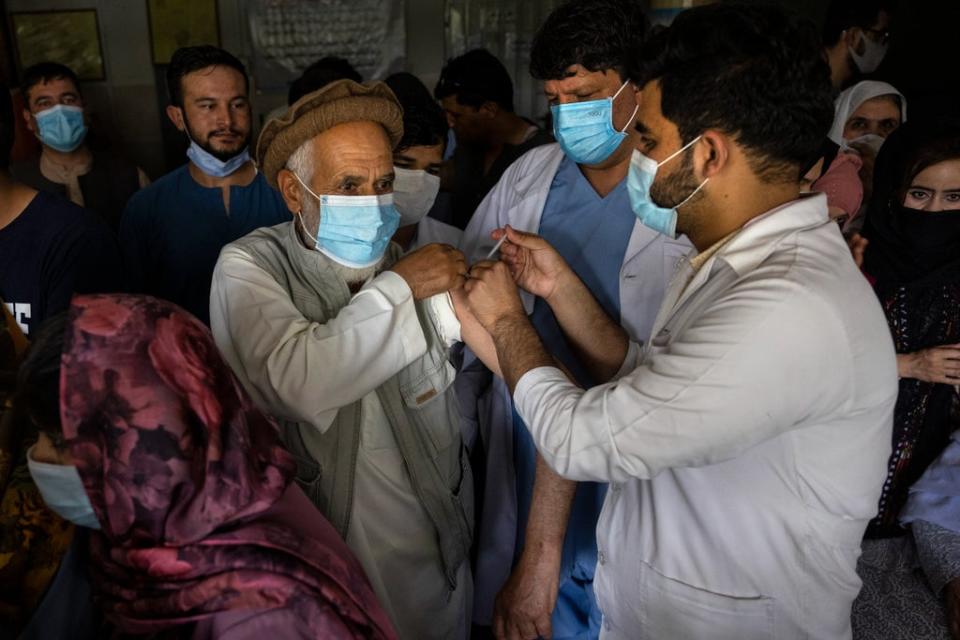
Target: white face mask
pixel 872 56
pixel 871 141
pixel 414 192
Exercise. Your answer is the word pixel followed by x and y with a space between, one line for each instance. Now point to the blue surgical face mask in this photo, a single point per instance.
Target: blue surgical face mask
pixel 61 127
pixel 63 491
pixel 354 230
pixel 640 177
pixel 585 129
pixel 212 165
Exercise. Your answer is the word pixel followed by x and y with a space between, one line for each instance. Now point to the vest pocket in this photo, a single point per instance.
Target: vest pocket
pixel 425 396
pixel 309 472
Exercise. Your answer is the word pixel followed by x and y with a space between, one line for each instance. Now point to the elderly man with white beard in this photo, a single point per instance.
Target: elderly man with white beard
pixel 346 344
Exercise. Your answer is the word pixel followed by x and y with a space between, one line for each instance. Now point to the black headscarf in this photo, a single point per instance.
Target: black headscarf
pixel 915 258
pixel 910 247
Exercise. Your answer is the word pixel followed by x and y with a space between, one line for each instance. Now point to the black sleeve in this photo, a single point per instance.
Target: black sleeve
pixel 83 259
pixel 133 251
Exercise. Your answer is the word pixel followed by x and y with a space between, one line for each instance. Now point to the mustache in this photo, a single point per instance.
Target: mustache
pixel 223 132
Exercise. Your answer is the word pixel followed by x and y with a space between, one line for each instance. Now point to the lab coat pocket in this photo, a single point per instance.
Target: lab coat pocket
pixel 676 610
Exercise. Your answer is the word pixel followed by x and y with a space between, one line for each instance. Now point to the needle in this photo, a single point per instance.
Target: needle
pixel 496 247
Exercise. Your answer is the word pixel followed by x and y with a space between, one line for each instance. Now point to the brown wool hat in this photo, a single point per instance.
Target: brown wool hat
pixel 338 102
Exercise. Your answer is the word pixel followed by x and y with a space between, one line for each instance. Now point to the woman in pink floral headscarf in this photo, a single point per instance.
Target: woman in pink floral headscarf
pixel 202 534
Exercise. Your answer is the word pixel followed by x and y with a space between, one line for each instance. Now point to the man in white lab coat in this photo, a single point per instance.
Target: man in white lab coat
pixel 574 194
pixel 745 445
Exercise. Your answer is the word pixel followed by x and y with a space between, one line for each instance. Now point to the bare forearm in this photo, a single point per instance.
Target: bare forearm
pixel 518 348
pixel 600 342
pixel 474 335
pixel 549 511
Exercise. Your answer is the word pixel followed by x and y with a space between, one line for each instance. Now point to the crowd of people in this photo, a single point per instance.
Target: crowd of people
pixel 683 362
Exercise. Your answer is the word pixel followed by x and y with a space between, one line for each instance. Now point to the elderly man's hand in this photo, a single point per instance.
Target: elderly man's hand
pixel 492 294
pixel 432 269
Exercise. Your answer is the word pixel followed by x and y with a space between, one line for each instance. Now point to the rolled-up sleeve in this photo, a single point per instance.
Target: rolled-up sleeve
pixel 303 370
pixel 749 368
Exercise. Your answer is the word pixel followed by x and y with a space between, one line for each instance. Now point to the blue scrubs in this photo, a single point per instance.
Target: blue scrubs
pixel 592 234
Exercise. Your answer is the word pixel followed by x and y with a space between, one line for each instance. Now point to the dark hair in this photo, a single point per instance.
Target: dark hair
pixel 941 143
pixel 38 378
pixel 751 71
pixel 827 152
pixel 7 128
pixel 597 34
pixel 474 78
pixel 846 14
pixel 44 72
pixel 189 59
pixel 320 74
pixel 423 121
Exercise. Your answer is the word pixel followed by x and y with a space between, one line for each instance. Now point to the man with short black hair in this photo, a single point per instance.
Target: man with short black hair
pixel 855 38
pixel 575 195
pixel 746 444
pixel 321 73
pixel 49 247
pixel 99 180
pixel 173 230
pixel 417 161
pixel 476 93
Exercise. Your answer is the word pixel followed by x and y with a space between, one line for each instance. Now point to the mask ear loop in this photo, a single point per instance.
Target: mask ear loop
pixel 695 192
pixel 632 115
pixel 679 151
pixel 316 243
pixel 674 155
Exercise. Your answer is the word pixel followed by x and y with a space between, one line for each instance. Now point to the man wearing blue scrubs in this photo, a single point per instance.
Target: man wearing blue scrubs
pixel 171 232
pixel 574 194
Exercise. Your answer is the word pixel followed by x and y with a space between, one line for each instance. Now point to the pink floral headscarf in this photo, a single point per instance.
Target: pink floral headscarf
pixel 191 485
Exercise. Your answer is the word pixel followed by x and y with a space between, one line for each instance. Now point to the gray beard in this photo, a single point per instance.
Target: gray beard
pixel 354 276
pixel 351 275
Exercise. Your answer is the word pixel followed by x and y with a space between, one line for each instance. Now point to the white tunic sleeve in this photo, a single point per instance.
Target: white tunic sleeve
pixel 302 370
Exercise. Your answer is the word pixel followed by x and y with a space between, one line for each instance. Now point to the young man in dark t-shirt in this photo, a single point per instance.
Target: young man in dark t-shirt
pixel 476 93
pixel 49 247
pixel 90 176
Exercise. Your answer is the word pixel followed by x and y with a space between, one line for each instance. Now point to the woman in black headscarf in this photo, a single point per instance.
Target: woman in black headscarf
pixel 913 256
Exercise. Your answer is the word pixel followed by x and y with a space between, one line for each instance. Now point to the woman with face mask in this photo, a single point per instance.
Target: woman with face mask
pixel 913 229
pixel 195 529
pixel 865 114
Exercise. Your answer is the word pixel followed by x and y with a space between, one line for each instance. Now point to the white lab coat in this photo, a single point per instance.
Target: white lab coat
pixel 747 448
pixel 518 199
